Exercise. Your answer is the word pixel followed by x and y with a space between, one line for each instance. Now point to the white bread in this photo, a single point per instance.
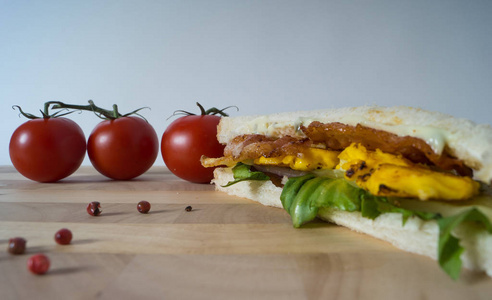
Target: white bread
pixel 464 139
pixel 416 236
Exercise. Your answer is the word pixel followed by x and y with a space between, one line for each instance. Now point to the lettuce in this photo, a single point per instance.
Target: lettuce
pixel 449 249
pixel 303 196
pixel 373 206
pixel 243 172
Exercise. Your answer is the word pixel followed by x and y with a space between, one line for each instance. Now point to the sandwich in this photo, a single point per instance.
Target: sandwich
pixel 415 178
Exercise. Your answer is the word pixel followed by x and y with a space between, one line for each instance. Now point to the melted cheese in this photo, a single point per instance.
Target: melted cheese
pixel 400 181
pixel 355 154
pixel 308 160
pixel 384 174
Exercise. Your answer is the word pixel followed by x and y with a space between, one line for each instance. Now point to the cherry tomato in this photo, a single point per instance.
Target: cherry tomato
pixel 123 148
pixel 185 141
pixel 47 149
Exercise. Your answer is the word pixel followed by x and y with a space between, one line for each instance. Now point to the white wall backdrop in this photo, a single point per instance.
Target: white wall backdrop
pixel 263 56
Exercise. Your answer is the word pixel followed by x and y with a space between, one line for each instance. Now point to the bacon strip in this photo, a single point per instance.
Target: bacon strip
pixel 254 145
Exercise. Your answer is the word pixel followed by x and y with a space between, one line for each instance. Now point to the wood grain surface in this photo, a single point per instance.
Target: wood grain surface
pixel 225 248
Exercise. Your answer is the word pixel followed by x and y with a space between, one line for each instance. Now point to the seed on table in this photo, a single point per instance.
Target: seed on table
pixel 143 207
pixel 94 208
pixel 17 245
pixel 188 208
pixel 38 264
pixel 63 236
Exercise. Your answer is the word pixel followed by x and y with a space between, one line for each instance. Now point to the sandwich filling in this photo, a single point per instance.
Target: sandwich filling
pixel 379 162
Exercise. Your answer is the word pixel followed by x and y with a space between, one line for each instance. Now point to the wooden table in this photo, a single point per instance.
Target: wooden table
pixel 225 248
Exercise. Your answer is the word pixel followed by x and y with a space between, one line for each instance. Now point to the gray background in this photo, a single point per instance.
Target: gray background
pixel 263 56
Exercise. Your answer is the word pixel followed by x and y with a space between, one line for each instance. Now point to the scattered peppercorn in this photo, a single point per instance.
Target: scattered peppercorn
pixel 63 236
pixel 188 208
pixel 38 264
pixel 17 245
pixel 143 207
pixel 94 208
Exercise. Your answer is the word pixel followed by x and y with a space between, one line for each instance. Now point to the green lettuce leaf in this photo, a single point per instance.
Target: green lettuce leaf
pixel 302 210
pixel 339 194
pixel 449 249
pixel 373 206
pixel 242 172
pixel 303 196
pixel 291 189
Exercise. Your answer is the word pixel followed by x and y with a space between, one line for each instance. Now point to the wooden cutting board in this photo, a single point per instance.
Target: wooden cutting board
pixel 225 248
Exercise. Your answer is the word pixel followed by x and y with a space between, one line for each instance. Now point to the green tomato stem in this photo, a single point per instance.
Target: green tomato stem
pixel 212 111
pixel 100 112
pixel 70 108
pixel 27 115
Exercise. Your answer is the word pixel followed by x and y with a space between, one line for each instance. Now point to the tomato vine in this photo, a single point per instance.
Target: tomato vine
pixel 65 109
pixel 209 112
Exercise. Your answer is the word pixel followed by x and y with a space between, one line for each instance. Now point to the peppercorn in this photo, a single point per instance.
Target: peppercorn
pixel 17 245
pixel 94 208
pixel 143 207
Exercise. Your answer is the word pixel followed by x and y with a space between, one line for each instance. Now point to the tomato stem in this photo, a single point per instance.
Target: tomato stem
pixel 211 111
pixel 98 111
pixel 116 114
pixel 45 113
pixel 27 115
pixel 102 113
pixel 69 108
pixel 202 110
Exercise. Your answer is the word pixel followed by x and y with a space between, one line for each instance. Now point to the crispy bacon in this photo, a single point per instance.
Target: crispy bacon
pixel 253 146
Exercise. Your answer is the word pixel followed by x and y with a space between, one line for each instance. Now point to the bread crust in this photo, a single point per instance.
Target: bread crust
pixel 462 138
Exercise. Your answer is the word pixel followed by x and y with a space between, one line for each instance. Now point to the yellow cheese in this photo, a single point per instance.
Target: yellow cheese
pixel 384 174
pixel 308 160
pixel 391 180
pixel 357 153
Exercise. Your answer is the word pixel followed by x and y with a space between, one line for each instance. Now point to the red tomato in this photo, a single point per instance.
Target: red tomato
pixel 185 141
pixel 47 150
pixel 123 148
